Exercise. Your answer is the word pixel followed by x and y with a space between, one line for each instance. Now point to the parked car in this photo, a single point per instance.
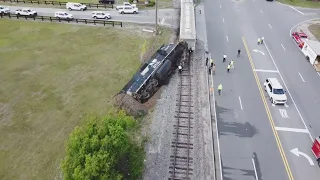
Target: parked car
pixel 63 15
pixel 126 4
pixel 26 12
pixel 275 91
pixel 106 1
pixel 4 10
pixel 128 10
pixel 100 15
pixel 76 6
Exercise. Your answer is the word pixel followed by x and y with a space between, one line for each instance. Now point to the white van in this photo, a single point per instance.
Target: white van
pixel 76 6
pixel 275 91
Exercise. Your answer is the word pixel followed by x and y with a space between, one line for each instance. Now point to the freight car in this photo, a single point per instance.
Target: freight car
pixel 155 71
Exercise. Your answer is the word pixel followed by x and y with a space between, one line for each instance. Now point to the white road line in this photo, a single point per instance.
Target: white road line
pixel 240 103
pixel 304 123
pixel 261 11
pixel 263 70
pixel 318 73
pixel 283 47
pixel 301 23
pixel 301 77
pixel 296 10
pixel 255 169
pixel 227 38
pixel 292 129
pixel 270 26
pixel 220 6
pixel 217 130
pixel 222 19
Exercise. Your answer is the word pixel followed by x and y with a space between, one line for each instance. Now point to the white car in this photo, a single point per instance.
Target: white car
pixel 26 12
pixel 126 4
pixel 4 10
pixel 76 6
pixel 275 91
pixel 100 15
pixel 128 10
pixel 63 15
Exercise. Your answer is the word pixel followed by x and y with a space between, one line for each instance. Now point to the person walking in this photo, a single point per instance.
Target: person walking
pixel 180 69
pixel 232 64
pixel 239 51
pixel 259 41
pixel 214 69
pixel 211 62
pixel 228 68
pixel 207 59
pixel 220 89
pixel 209 70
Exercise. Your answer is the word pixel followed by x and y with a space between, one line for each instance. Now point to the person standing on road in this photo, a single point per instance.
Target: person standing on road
pixel 259 41
pixel 207 59
pixel 220 89
pixel 214 69
pixel 224 58
pixel 211 62
pixel 232 64
pixel 228 68
pixel 238 53
pixel 209 70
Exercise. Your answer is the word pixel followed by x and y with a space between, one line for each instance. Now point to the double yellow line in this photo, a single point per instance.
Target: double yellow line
pixel 283 156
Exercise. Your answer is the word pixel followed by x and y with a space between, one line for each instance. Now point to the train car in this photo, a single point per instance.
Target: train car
pixel 155 71
pixel 187 23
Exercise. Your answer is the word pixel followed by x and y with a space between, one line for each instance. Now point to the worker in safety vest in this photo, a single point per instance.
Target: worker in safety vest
pixel 259 41
pixel 262 39
pixel 232 64
pixel 211 62
pixel 219 88
pixel 228 68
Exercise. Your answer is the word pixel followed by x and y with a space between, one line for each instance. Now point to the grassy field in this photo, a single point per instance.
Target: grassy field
pixel 53 75
pixel 301 3
pixel 315 30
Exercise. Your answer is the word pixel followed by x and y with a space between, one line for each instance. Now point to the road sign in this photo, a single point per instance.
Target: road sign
pixel 283 113
pixel 296 152
pixel 256 50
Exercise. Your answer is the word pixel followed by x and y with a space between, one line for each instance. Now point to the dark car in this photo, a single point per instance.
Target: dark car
pixel 106 1
pixel 269 0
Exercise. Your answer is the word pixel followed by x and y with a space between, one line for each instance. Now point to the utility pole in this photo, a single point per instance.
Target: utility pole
pixel 156 1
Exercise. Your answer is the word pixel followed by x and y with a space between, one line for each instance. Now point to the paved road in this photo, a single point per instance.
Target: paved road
pixel 244 126
pixel 167 17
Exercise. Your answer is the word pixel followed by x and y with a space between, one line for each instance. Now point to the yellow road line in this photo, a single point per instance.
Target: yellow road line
pixel 283 156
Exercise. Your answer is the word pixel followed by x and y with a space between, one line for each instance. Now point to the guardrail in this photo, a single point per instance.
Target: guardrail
pixel 56 19
pixel 58 3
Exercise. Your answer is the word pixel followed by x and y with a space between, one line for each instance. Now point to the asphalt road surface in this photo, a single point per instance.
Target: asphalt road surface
pixel 167 17
pixel 259 140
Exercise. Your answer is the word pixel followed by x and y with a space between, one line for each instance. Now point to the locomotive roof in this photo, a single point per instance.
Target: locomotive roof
pixel 154 63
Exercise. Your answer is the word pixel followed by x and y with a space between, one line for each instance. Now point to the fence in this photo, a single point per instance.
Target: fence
pixel 56 19
pixel 58 3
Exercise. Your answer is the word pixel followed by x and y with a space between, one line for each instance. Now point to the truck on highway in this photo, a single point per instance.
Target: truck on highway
pixel 126 4
pixel 311 50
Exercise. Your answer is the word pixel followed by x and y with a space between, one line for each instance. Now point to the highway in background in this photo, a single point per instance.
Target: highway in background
pixel 259 140
pixel 167 17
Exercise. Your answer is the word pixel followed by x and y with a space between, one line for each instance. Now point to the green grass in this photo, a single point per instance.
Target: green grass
pixel 52 76
pixel 301 3
pixel 315 30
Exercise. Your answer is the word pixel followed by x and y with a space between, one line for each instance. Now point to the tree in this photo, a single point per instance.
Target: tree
pixel 98 149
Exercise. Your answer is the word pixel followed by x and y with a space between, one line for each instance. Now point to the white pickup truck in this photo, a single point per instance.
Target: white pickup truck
pixel 26 12
pixel 4 10
pixel 126 4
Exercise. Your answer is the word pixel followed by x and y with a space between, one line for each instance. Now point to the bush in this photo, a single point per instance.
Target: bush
pixel 103 149
pixel 151 3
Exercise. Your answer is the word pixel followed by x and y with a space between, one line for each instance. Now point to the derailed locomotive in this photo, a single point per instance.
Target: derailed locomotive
pixel 155 71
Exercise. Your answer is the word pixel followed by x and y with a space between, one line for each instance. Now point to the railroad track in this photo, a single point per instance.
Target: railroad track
pixel 181 161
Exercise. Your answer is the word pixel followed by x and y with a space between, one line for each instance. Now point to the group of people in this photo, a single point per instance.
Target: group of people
pixel 260 40
pixel 230 66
